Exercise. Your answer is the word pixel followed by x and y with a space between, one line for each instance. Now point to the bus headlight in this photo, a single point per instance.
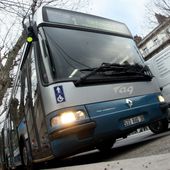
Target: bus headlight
pixel 68 117
pixel 161 99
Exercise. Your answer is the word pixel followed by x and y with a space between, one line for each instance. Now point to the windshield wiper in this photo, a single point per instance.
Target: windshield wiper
pixel 105 67
pixel 114 69
pixel 102 68
pixel 135 69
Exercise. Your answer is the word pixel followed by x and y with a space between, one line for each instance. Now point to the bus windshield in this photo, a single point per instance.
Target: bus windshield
pixel 71 51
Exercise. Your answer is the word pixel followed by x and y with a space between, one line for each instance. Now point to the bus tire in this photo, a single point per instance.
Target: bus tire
pixel 159 126
pixel 105 146
pixel 26 163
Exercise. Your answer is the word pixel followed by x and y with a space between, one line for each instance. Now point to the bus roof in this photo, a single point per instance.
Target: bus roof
pixel 58 16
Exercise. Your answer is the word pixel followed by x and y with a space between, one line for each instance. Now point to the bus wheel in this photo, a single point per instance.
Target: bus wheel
pixel 159 126
pixel 105 146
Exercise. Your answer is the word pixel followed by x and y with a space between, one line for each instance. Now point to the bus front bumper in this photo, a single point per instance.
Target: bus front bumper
pixel 82 128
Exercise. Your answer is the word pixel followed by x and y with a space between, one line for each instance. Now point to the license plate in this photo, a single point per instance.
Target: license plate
pixel 133 120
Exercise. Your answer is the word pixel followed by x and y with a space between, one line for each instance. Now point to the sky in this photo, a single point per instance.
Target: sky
pixel 130 12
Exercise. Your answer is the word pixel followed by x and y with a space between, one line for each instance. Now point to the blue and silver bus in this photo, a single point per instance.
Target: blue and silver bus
pixel 81 84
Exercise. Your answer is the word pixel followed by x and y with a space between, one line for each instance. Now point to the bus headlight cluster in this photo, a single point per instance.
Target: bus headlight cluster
pixel 161 99
pixel 68 117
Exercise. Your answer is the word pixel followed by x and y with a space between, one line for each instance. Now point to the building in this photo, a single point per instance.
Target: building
pixel 155 49
pixel 156 40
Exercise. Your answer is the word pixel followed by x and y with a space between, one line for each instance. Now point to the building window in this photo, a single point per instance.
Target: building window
pixel 145 50
pixel 155 41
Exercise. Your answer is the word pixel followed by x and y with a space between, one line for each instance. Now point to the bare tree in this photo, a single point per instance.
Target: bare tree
pixel 154 8
pixel 163 6
pixel 12 37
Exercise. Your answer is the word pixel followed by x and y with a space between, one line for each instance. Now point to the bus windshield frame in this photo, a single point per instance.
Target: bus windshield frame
pixel 86 40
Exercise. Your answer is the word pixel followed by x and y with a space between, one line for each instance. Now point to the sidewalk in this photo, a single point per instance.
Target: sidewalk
pixel 158 162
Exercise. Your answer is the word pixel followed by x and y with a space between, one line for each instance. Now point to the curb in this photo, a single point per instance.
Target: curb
pixel 156 162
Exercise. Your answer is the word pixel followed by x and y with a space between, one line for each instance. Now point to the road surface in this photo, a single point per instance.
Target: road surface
pixel 138 145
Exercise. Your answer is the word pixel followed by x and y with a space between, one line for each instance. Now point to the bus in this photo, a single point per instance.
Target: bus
pixel 81 84
pixel 159 65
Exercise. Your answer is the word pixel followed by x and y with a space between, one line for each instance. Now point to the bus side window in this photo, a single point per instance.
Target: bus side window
pixel 33 75
pixel 13 110
pixel 40 53
pixel 16 102
pixel 19 97
pixel 24 91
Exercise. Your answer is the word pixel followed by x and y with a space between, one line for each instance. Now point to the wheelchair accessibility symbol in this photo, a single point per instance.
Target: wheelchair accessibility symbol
pixel 60 99
pixel 59 93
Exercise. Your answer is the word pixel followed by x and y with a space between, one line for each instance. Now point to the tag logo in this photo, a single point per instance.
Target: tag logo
pixel 59 94
pixel 124 89
pixel 129 102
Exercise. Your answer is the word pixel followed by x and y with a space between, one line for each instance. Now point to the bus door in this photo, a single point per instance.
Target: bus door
pixel 31 137
pixel 35 119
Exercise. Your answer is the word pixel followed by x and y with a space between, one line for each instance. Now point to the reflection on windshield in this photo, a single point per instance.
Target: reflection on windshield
pixel 73 50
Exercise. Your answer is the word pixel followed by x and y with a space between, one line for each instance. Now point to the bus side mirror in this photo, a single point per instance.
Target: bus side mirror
pixel 31 36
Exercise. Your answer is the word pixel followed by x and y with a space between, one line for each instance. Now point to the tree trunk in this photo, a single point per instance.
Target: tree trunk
pixel 5 79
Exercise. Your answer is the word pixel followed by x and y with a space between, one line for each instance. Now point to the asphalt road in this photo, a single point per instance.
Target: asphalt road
pixel 138 145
